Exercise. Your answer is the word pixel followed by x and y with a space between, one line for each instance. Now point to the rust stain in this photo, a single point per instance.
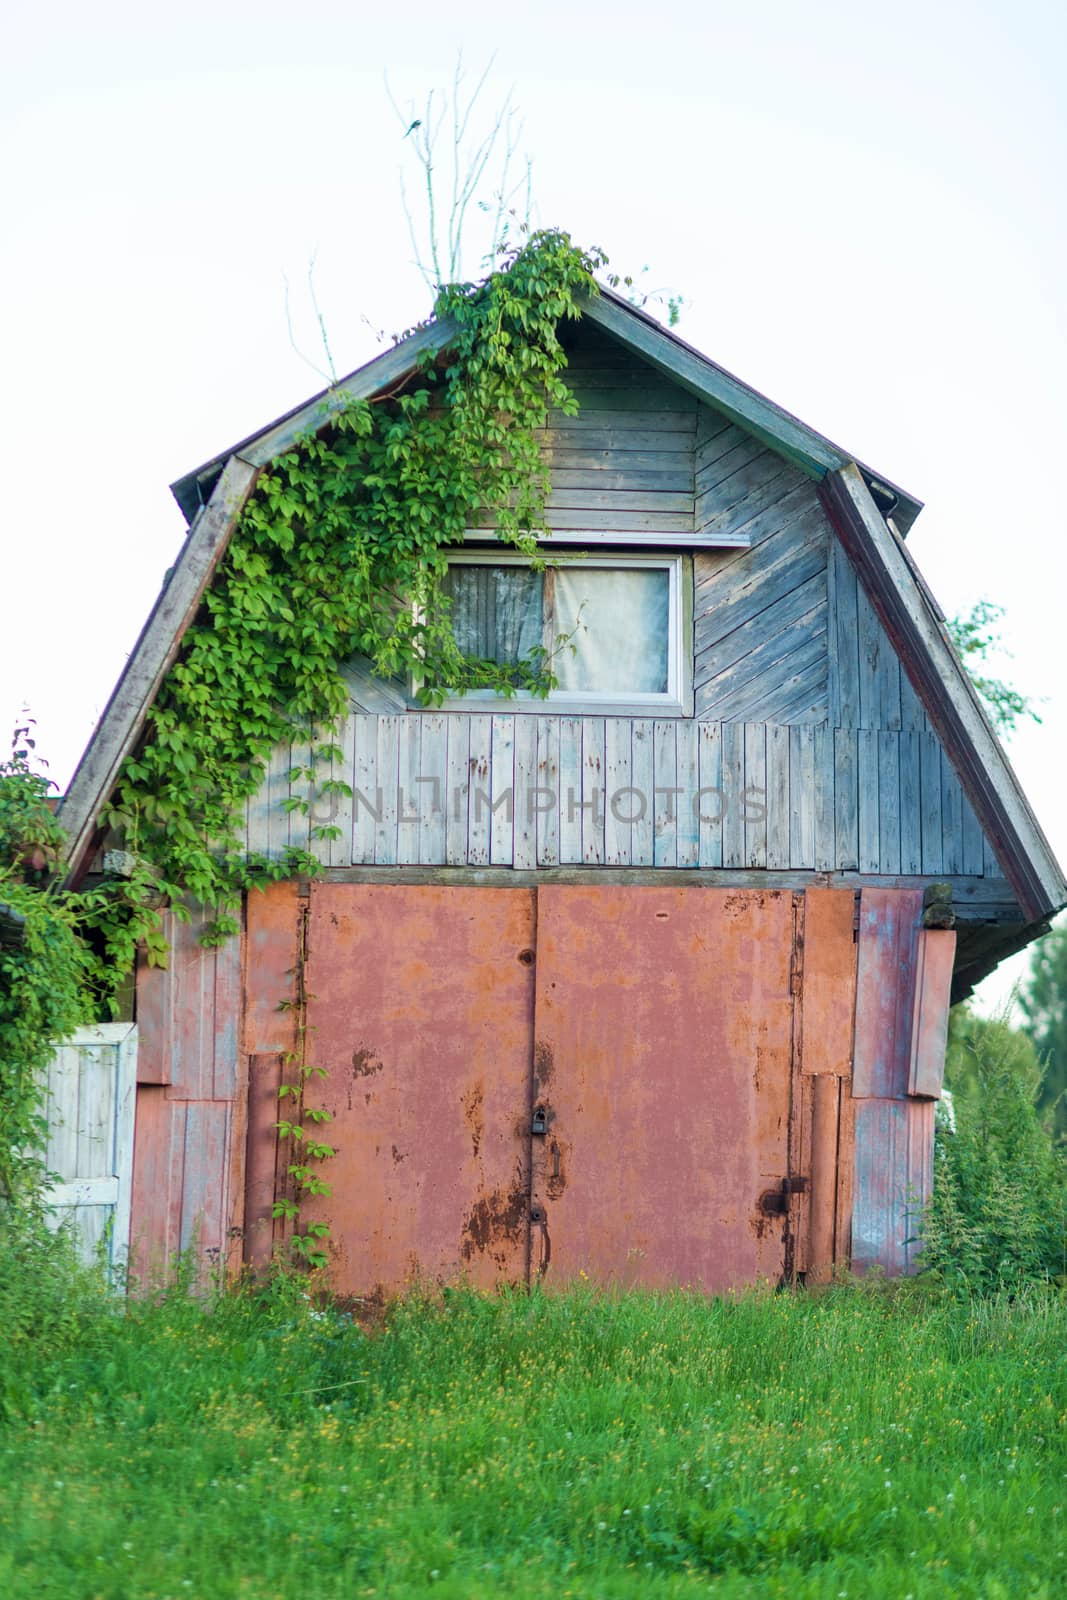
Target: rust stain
pixel 496 1220
pixel 473 1102
pixel 544 1063
pixel 365 1062
pixel 556 1181
pixel 398 1156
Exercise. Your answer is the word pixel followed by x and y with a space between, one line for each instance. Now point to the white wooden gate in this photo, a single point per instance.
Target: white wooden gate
pixel 92 1085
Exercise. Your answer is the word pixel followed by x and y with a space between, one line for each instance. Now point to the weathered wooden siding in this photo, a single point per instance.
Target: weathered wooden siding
pixel 761 614
pixel 187 1100
pixel 524 791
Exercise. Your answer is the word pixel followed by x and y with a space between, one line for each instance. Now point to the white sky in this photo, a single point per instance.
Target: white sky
pixel 863 207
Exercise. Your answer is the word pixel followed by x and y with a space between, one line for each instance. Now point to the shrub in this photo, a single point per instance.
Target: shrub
pixel 998 1217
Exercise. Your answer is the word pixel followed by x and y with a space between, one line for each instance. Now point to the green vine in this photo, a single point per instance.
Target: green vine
pixel 300 1127
pixel 63 955
pixel 340 551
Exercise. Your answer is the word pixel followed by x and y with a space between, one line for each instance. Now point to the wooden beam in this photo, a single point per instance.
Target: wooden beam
pixel 950 698
pixel 120 726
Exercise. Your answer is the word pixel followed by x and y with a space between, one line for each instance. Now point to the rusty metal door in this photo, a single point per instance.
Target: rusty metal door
pixel 421 1010
pixel 557 1082
pixel 663 1061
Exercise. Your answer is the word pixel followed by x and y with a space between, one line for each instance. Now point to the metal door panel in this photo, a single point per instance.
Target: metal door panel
pixel 663 1060
pixel 421 1010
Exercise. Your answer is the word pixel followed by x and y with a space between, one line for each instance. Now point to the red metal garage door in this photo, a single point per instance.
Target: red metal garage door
pixel 554 1082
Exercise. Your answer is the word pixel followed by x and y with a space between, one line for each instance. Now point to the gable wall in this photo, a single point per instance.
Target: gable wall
pixel 808 749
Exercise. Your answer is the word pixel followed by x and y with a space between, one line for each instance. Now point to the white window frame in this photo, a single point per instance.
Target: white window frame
pixel 677 701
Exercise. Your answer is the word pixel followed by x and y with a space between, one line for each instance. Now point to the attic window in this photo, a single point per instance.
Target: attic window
pixel 612 626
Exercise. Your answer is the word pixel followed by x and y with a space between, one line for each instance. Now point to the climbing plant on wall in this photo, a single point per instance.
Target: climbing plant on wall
pixel 340 550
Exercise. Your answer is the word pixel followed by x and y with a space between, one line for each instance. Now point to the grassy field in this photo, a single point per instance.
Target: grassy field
pixel 862 1443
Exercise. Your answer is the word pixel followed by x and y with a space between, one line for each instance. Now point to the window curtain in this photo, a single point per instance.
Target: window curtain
pixel 496 611
pixel 618 620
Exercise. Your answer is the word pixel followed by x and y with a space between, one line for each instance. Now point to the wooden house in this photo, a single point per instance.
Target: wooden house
pixel 636 982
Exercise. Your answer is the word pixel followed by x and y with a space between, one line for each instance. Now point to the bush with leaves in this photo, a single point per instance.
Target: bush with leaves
pixel 998 1216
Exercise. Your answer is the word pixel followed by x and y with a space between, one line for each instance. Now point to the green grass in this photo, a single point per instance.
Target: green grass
pixel 861 1443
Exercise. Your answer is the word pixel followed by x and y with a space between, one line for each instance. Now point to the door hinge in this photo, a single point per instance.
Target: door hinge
pixel 775 1202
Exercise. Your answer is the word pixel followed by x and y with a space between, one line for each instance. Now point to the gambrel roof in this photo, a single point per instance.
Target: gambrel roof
pixel 869 515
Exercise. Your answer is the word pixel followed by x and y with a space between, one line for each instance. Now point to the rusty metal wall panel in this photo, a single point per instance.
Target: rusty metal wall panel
pixel 888 945
pixel 663 1059
pixel 421 1011
pixel 829 981
pixel 893 1177
pixel 261 1158
pixel 272 922
pixel 933 996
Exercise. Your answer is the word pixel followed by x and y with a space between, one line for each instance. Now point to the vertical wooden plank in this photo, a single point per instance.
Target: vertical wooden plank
pixel 549 796
pixel 479 801
pixel 823 765
pixel 385 828
pixel 275 818
pixel 889 675
pixel 408 791
pixel 847 712
pixel 225 1012
pixel 642 779
pixel 339 813
pixel 778 810
pixel 846 800
pixel 889 802
pixel 202 1221
pixel 432 787
pixel 502 823
pixel 911 857
pixel 96 1110
pixel 868 799
pixel 125 1109
pixel 991 867
pixel 933 995
pixel 887 946
pixel 711 793
pixel 951 818
pixel 570 784
pixel 688 836
pixel 62 1147
pixel 912 716
pixel 755 794
pixel 525 834
pixel 802 796
pixel 665 797
pixel 301 790
pixel 366 795
pixel 457 788
pixel 593 760
pixel 733 784
pixel 872 647
pixel 930 799
pixel 972 840
pixel 833 652
pixel 619 801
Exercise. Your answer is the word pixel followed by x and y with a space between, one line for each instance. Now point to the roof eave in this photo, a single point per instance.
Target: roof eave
pixel 915 630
